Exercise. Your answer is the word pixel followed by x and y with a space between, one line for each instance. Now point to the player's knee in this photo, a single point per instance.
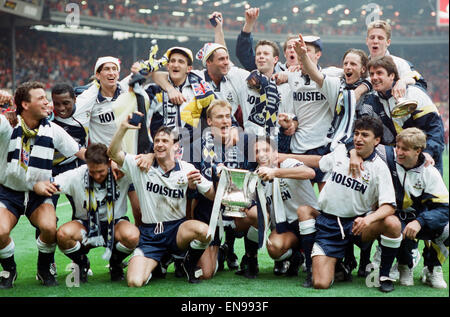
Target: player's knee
pixel 62 234
pixel 393 225
pixel 134 281
pixel 274 249
pixel 321 284
pixel 207 273
pixel 48 227
pixel 4 236
pixel 202 230
pixel 131 238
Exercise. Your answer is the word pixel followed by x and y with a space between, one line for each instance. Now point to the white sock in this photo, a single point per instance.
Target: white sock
pixel 8 251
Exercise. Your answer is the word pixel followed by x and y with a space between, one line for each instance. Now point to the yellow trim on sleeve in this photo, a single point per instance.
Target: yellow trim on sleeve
pixel 424 111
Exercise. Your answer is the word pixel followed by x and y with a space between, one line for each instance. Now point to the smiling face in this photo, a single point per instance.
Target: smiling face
pixel 108 76
pixel 219 65
pixel 164 147
pixel 38 106
pixel 353 68
pixel 407 156
pixel 381 80
pixel 178 68
pixel 265 155
pixel 377 42
pixel 63 104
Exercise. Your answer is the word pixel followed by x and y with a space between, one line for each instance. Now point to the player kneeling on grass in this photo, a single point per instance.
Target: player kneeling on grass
pixel 345 203
pixel 100 216
pixel 422 206
pixel 164 193
pixel 26 154
pixel 291 198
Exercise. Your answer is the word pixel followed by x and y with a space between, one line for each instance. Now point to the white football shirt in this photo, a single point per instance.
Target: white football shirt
pixel 345 196
pixel 72 183
pixel 162 195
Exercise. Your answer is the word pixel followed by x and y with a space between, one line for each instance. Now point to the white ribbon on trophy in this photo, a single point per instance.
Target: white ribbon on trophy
pixel 280 215
pixel 236 199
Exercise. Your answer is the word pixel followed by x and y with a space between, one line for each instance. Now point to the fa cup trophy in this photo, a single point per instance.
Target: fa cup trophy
pixel 403 108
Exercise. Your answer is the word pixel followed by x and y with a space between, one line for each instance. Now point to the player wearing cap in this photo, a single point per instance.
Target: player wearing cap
pixel 196 92
pixel 27 151
pixel 95 105
pixel 313 112
pixel 163 192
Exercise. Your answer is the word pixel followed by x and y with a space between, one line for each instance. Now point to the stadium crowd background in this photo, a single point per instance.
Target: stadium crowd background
pixel 54 57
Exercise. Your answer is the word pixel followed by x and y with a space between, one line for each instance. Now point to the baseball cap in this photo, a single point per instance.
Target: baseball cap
pixel 183 49
pixel 205 52
pixel 314 40
pixel 106 59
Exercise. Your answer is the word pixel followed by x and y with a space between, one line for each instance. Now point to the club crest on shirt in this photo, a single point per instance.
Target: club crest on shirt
pixel 182 180
pixel 230 97
pixel 365 177
pixel 418 185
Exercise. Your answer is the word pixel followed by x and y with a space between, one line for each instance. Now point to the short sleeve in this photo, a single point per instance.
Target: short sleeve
pixel 63 142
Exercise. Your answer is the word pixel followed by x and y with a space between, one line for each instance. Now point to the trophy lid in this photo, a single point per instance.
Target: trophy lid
pixel 404 107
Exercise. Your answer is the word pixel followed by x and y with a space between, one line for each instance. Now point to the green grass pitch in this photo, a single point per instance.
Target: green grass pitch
pixel 224 284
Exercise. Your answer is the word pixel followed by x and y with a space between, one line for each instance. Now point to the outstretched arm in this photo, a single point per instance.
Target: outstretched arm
pixel 175 96
pixel 300 172
pixel 219 36
pixel 244 44
pixel 308 66
pixel 115 148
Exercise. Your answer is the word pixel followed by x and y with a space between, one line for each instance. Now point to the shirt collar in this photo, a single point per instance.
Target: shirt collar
pixel 101 99
pixel 372 156
pixel 176 168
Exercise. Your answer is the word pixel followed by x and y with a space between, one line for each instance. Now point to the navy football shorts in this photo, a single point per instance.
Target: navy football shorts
pixel 334 234
pixel 14 201
pixel 289 227
pixel 157 239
